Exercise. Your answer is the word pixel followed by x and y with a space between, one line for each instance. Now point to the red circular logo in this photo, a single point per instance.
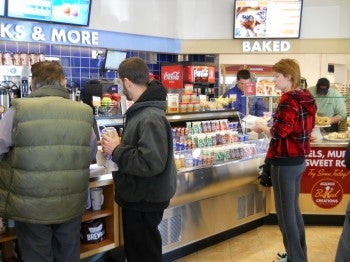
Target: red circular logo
pixel 327 193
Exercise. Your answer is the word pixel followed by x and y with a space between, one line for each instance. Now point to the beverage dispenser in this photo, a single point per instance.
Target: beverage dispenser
pixel 16 78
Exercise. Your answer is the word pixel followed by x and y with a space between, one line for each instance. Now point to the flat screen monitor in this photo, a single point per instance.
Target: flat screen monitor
pixel 2 7
pixel 113 59
pixel 267 19
pixel 73 12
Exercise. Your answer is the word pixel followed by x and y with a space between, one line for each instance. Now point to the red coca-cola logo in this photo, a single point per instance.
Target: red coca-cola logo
pixel 204 72
pixel 327 193
pixel 171 76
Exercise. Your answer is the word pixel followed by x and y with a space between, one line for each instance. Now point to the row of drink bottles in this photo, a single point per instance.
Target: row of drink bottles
pixel 220 154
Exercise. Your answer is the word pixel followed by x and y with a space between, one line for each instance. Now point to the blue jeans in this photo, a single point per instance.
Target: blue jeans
pixel 286 188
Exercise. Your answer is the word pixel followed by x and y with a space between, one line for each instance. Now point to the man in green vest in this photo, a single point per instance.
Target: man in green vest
pixel 46 145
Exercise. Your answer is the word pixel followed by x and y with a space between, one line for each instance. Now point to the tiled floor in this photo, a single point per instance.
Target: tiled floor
pixel 262 244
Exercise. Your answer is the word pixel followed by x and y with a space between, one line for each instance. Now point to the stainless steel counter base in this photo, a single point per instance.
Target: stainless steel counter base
pixel 211 201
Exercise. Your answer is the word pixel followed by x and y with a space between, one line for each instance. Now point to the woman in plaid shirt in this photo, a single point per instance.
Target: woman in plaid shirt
pixel 290 135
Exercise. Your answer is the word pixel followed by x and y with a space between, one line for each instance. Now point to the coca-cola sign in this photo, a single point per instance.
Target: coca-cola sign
pixel 204 74
pixel 172 76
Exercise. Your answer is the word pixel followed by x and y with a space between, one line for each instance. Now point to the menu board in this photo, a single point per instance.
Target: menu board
pixel 76 12
pixel 267 19
pixel 2 7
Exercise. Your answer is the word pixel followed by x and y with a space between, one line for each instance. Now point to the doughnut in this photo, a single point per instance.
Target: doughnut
pixel 326 121
pixel 319 120
pixel 322 120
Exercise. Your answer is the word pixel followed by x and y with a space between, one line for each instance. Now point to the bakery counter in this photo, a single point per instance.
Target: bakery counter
pixel 325 185
pixel 327 143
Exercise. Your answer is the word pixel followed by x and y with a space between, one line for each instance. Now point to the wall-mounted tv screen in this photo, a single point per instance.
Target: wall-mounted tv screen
pixel 267 19
pixel 2 7
pixel 73 12
pixel 113 59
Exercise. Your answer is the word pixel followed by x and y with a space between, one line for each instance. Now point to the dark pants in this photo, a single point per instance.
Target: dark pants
pixel 286 186
pixel 343 250
pixel 54 242
pixel 142 239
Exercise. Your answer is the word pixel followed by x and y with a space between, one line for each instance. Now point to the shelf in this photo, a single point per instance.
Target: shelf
pixel 204 115
pixel 89 215
pixel 9 235
pixel 90 249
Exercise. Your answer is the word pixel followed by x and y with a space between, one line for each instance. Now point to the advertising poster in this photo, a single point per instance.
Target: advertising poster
pixel 326 178
pixel 172 76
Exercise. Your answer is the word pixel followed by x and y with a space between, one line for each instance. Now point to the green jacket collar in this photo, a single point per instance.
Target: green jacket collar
pixel 51 90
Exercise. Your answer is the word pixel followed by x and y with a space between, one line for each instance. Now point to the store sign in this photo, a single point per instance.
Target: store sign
pixel 199 74
pixel 172 76
pixel 258 70
pixel 265 46
pixel 48 34
pixel 249 89
pixel 326 178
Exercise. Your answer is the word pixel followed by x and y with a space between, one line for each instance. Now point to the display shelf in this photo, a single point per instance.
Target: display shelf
pixel 87 250
pixel 203 115
pixel 109 213
pixel 9 235
pixel 89 215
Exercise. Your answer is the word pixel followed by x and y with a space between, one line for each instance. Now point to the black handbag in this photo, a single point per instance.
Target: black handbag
pixel 265 174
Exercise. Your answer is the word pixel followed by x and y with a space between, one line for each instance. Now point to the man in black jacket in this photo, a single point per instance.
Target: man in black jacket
pixel 146 179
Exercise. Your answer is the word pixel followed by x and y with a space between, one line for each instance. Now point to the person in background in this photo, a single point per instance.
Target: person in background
pixel 46 146
pixel 330 103
pixel 343 248
pixel 147 177
pixel 290 143
pixel 256 105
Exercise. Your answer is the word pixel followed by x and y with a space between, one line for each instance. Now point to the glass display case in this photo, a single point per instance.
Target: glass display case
pixel 217 187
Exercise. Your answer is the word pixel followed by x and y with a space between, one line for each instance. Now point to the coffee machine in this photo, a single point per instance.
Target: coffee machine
pixel 14 83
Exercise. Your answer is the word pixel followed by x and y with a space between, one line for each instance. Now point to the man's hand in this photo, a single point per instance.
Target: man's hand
pixel 109 144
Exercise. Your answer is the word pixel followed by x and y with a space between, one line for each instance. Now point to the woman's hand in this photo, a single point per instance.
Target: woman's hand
pixel 262 128
pixel 109 144
pixel 258 127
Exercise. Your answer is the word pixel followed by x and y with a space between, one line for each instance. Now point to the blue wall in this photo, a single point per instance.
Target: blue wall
pixel 78 64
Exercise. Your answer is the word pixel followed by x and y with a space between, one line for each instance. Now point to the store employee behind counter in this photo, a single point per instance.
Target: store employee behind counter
pixel 330 103
pixel 256 105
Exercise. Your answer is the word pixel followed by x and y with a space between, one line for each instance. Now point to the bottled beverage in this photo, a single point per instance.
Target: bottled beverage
pixel 110 164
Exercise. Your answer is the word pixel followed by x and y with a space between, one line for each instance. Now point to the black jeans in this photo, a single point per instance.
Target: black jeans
pixel 142 239
pixel 47 243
